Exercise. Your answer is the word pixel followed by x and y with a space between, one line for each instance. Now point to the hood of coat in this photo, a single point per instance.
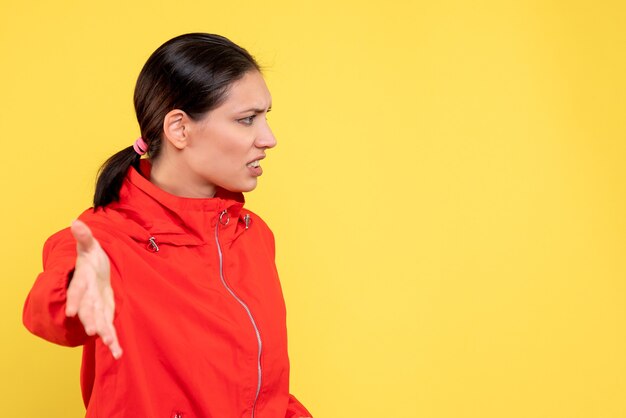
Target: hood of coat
pixel 145 211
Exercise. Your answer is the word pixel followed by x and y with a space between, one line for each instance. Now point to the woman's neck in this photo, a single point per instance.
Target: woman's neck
pixel 175 179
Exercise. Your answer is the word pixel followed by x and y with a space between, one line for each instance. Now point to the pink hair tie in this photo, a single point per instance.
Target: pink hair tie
pixel 140 146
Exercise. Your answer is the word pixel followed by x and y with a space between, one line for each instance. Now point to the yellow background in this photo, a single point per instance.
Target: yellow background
pixel 448 193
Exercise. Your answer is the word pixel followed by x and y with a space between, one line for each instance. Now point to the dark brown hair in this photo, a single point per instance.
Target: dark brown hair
pixel 191 72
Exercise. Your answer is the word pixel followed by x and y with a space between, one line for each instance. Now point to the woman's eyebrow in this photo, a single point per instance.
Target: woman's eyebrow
pixel 256 110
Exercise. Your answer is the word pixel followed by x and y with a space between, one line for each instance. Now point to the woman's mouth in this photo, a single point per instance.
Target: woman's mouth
pixel 255 168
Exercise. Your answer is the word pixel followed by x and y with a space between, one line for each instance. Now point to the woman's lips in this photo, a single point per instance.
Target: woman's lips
pixel 255 168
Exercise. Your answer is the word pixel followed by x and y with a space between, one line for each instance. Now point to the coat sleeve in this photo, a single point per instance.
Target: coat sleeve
pixel 44 310
pixel 295 409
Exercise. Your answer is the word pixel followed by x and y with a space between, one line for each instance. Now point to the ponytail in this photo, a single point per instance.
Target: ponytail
pixel 111 176
pixel 191 72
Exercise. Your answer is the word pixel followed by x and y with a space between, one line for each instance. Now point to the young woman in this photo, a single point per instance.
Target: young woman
pixel 168 282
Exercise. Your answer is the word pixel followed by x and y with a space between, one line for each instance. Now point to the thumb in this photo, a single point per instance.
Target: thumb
pixel 84 238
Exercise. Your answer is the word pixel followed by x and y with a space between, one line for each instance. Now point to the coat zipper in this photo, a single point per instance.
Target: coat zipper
pixel 241 302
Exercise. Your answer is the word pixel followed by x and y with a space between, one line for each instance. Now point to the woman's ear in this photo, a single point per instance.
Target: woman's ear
pixel 175 128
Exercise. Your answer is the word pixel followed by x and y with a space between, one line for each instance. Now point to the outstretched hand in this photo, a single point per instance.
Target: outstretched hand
pixel 90 294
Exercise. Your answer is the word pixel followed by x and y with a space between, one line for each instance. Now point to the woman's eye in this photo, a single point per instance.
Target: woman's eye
pixel 248 120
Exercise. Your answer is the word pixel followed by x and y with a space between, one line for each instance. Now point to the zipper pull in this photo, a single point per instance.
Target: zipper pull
pixel 247 220
pixel 152 245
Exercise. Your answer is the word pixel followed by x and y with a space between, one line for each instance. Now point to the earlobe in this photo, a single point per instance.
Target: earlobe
pixel 175 128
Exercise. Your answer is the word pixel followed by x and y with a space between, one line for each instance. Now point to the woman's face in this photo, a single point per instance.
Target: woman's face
pixel 226 146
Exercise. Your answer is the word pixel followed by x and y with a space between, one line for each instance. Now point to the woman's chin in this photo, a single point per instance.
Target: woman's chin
pixel 241 188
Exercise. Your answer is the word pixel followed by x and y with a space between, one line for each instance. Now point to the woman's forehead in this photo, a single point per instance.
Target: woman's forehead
pixel 248 93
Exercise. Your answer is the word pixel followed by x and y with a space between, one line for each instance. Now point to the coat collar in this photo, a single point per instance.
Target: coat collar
pixel 172 219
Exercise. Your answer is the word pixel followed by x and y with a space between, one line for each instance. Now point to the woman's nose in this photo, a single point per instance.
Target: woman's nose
pixel 266 138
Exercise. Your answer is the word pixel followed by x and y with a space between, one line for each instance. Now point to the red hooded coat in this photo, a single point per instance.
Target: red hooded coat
pixel 199 314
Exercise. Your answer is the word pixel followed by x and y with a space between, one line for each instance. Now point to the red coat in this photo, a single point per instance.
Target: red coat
pixel 201 321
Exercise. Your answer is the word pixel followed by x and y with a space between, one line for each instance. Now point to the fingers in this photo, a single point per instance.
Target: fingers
pixel 84 238
pixel 88 315
pixel 113 344
pixel 96 315
pixel 106 331
pixel 94 304
pixel 76 291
